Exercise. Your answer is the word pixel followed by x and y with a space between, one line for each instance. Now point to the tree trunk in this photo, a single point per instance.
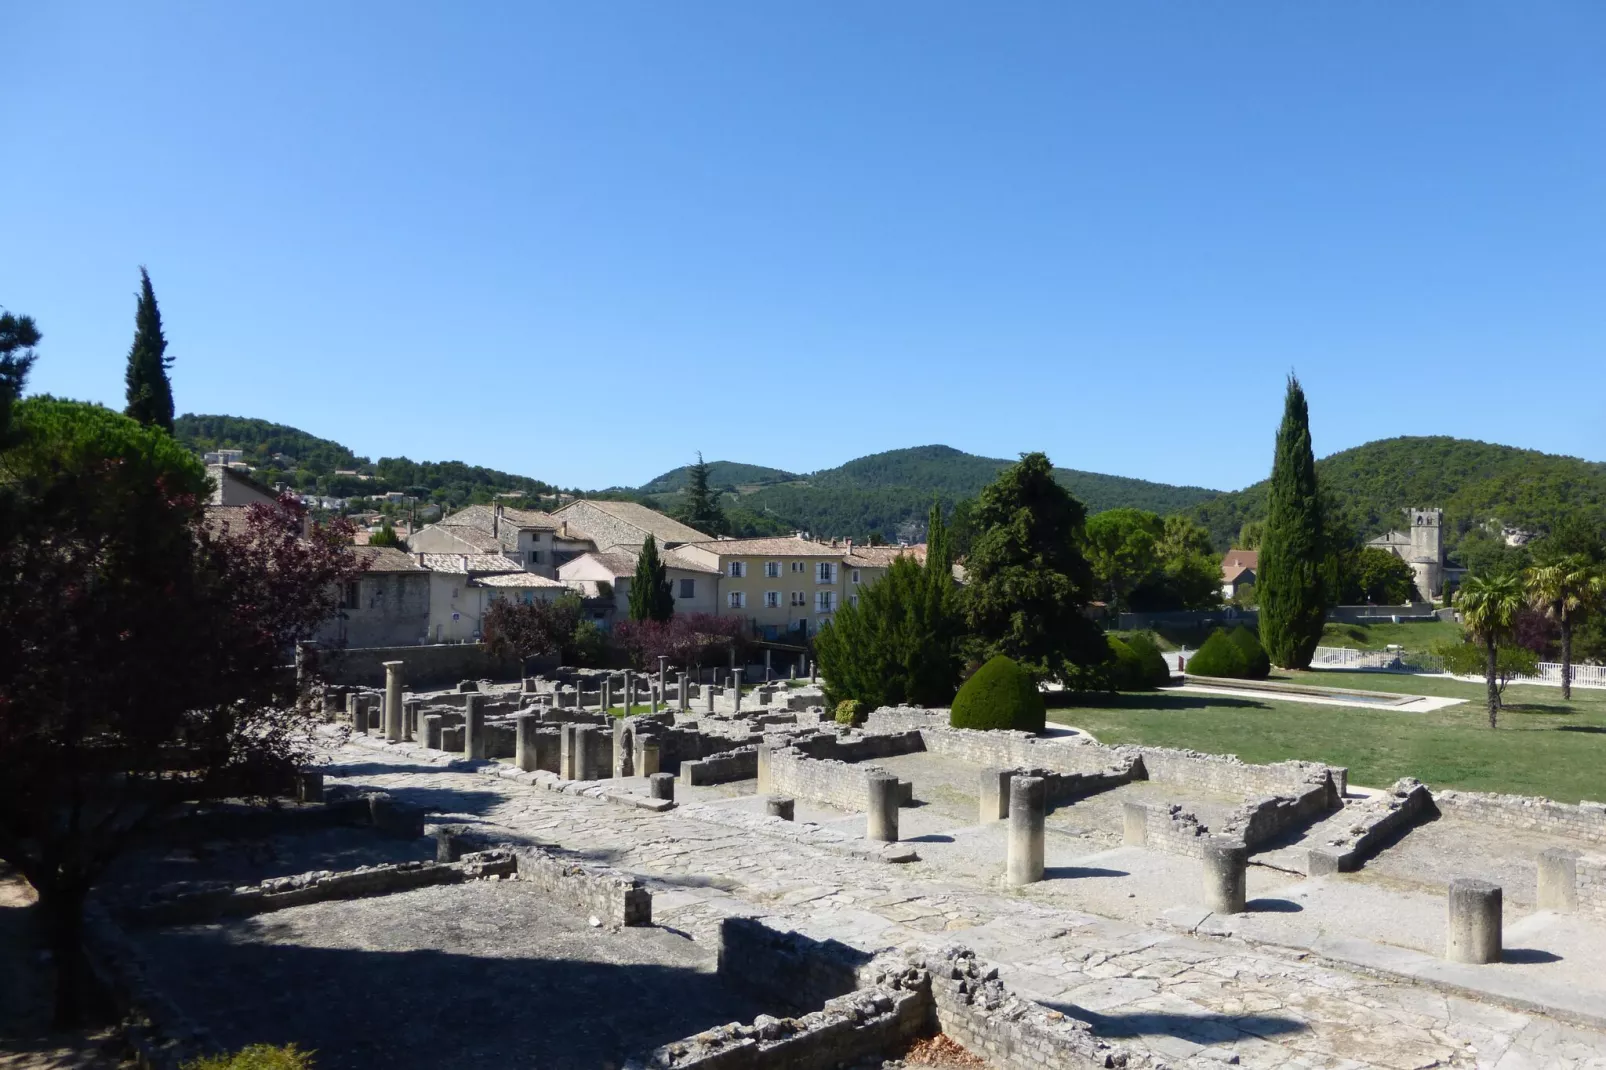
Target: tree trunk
pixel 1489 680
pixel 1566 658
pixel 61 909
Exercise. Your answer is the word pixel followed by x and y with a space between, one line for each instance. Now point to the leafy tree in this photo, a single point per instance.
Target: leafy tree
pixel 900 643
pixel 1001 695
pixel 110 576
pixel 1189 572
pixel 1468 658
pixel 1028 581
pixel 651 597
pixel 1250 534
pixel 689 640
pixel 386 535
pixel 1567 589
pixel 700 506
pixel 1293 550
pixel 1489 607
pixel 1120 546
pixel 525 630
pixel 18 337
pixel 1374 576
pixel 150 395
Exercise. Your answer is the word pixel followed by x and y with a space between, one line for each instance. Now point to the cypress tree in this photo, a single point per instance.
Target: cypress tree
pixel 1292 585
pixel 701 507
pixel 650 594
pixel 150 395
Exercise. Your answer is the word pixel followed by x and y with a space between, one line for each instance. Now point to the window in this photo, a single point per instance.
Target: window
pixel 855 575
pixel 824 601
pixel 688 588
pixel 349 598
pixel 853 599
pixel 772 570
pixel 738 569
pixel 825 572
pixel 797 566
pixel 799 598
pixel 535 557
pixel 736 600
pixel 772 599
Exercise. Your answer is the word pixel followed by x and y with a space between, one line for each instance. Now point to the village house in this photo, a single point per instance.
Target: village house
pixel 231 486
pixel 865 565
pixel 463 587
pixel 787 586
pixel 694 584
pixel 611 524
pixel 1238 569
pixel 538 541
pixel 387 605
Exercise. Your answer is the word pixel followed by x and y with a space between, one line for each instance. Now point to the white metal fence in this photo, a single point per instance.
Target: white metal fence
pixel 1341 657
pixel 1583 675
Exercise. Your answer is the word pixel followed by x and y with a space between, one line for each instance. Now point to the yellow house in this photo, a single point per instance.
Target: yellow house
pixel 784 585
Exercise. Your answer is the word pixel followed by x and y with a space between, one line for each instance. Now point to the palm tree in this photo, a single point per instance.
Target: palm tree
pixel 1489 607
pixel 1565 590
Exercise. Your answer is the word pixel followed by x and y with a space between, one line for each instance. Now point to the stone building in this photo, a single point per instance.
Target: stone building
pixel 387 605
pixel 611 524
pixel 694 584
pixel 1421 546
pixel 538 541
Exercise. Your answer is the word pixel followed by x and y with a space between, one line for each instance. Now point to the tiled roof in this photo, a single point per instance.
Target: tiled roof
pixel 387 559
pixel 1235 574
pixel 622 559
pixel 468 564
pixel 1236 559
pixel 663 528
pixel 882 556
pixel 470 535
pixel 480 516
pixel 783 547
pixel 618 562
pixel 515 579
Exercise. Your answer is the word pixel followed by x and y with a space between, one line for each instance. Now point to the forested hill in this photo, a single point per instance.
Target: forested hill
pixel 1473 482
pixel 308 463
pixel 890 493
pixel 722 475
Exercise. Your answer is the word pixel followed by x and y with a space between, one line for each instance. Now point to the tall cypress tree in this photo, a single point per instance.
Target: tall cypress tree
pixel 150 395
pixel 650 595
pixel 701 509
pixel 1293 550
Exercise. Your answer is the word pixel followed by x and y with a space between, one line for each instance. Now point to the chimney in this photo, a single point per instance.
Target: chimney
pixel 464 558
pixel 496 520
pixel 850 546
pixel 420 556
pixel 563 530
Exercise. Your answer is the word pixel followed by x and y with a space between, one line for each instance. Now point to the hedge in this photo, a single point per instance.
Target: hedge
pixel 1255 656
pixel 1219 656
pixel 1000 695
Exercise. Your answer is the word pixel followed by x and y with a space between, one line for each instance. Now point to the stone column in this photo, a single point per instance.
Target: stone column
pixel 1558 880
pixel 708 694
pixel 1226 863
pixel 354 712
pixel 1134 824
pixel 393 701
pixel 652 690
pixel 1474 922
pixel 663 676
pixel 607 694
pixel 473 726
pixel 567 751
pixel 736 695
pixel 814 677
pixel 524 742
pixel 995 794
pixel 661 786
pixel 779 806
pixel 882 820
pixel 411 729
pixel 630 693
pixel 432 731
pixel 1027 800
pixel 768 672
pixel 647 756
pixel 621 755
pixel 309 786
pixel 766 755
pixel 791 671
pixel 680 682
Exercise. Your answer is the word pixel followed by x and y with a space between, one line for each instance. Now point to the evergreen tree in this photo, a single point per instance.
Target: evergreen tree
pixel 1292 583
pixel 1028 581
pixel 650 595
pixel 18 337
pixel 150 395
pixel 700 509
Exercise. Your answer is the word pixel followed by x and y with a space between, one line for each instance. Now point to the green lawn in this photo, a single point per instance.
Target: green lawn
pixel 1542 747
pixel 1414 636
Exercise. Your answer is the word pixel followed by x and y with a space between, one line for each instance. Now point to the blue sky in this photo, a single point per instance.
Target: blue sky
pixel 584 241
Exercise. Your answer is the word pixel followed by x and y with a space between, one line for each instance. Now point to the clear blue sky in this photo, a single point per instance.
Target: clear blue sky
pixel 582 241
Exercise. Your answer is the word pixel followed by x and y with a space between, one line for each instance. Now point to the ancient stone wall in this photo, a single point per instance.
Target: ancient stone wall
pixel 1369 825
pixel 739 764
pixel 860 747
pixel 424 666
pixel 1263 819
pixel 826 780
pixel 612 897
pixel 1171 829
pixel 1585 821
pixel 1591 877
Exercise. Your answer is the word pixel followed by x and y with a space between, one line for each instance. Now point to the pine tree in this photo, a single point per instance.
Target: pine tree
pixel 700 509
pixel 1292 584
pixel 650 595
pixel 150 395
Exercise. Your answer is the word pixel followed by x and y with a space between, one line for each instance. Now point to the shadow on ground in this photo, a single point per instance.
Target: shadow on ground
pixel 1204 1029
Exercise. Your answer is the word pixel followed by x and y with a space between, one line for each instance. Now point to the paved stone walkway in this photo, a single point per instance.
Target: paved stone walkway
pixel 1189 1001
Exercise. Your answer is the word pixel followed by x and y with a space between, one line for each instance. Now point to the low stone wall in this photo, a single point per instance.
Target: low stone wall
pixel 825 780
pixel 188 903
pixel 612 897
pixel 1590 875
pixel 1265 819
pixel 785 968
pixel 423 666
pixel 1585 821
pixel 1369 825
pixel 1164 827
pixel 860 747
pixel 739 764
pixel 1226 774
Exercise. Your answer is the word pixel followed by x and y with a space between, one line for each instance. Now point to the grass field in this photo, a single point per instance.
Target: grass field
pixel 1542 747
pixel 1418 636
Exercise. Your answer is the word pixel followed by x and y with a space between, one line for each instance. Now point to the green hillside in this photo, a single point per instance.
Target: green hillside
pixel 721 474
pixel 1471 481
pixel 308 463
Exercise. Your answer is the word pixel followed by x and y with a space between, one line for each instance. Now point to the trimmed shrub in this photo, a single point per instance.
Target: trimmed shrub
pixel 1155 669
pixel 1256 661
pixel 1219 656
pixel 1000 695
pixel 257 1057
pixel 1125 671
pixel 850 711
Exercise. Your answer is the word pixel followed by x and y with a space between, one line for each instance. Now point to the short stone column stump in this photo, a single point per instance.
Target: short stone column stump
pixel 779 806
pixel 1028 797
pixel 1225 864
pixel 661 786
pixel 1558 880
pixel 881 823
pixel 524 727
pixel 994 794
pixel 432 731
pixel 1473 925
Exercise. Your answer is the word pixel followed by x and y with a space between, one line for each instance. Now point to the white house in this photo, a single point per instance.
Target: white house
pixel 463 587
pixel 694 585
pixel 536 540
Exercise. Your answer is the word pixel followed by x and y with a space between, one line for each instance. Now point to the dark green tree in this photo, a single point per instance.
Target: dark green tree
pixel 650 595
pixel 700 509
pixel 386 535
pixel 1293 583
pixel 1028 582
pixel 150 395
pixel 18 337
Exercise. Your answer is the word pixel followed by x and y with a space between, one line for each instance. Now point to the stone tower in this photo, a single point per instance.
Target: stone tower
pixel 1426 552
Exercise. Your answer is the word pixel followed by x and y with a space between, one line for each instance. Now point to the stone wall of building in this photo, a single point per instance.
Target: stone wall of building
pixel 437 665
pixel 739 764
pixel 825 780
pixel 1586 821
pixel 1591 877
pixel 610 896
pixel 1169 828
pixel 1369 826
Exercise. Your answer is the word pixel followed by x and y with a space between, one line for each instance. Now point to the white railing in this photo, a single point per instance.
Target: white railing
pixel 1583 675
pixel 1337 657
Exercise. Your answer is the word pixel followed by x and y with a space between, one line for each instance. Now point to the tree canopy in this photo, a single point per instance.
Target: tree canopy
pixel 1293 580
pixel 650 595
pixel 150 394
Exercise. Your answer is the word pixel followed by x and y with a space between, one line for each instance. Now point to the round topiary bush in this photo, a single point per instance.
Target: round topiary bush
pixel 1256 660
pixel 1155 670
pixel 1125 670
pixel 1219 656
pixel 850 711
pixel 1000 695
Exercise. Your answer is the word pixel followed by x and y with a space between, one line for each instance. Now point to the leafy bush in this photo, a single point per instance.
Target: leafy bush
pixel 1219 656
pixel 1471 658
pixel 1155 670
pixel 1257 661
pixel 1125 671
pixel 850 711
pixel 1000 695
pixel 256 1057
